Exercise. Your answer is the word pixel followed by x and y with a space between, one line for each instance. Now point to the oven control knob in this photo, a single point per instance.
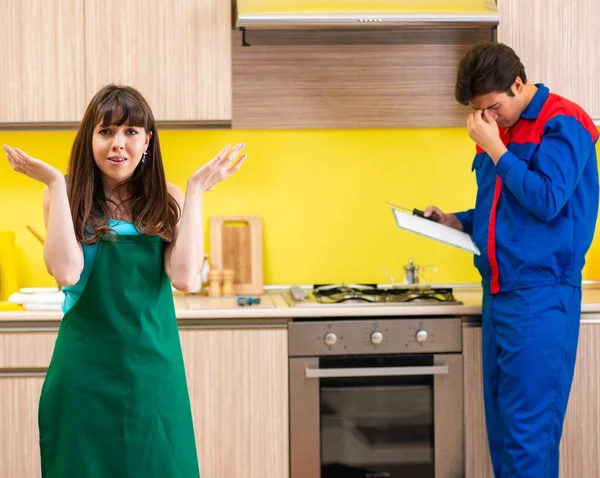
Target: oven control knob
pixel 376 338
pixel 422 336
pixel 330 338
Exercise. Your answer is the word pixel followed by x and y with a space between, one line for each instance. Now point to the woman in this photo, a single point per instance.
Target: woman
pixel 115 401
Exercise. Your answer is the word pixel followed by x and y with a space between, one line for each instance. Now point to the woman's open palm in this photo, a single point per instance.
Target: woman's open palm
pixel 219 168
pixel 34 168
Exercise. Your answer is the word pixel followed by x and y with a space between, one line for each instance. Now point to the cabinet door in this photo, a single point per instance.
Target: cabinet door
pixel 557 42
pixel 477 457
pixel 238 385
pixel 177 54
pixel 360 78
pixel 19 438
pixel 42 61
pixel 581 433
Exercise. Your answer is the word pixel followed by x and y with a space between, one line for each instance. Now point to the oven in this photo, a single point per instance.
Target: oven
pixel 373 398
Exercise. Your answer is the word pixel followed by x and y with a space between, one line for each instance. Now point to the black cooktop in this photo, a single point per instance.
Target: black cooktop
pixel 373 293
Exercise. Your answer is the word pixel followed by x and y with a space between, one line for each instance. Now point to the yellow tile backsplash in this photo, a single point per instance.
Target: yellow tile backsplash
pixel 321 194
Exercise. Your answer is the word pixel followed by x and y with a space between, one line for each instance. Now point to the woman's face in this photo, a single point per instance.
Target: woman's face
pixel 118 150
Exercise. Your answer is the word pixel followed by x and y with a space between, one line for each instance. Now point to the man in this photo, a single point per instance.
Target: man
pixel 533 221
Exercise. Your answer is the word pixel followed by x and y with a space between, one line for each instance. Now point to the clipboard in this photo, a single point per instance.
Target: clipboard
pixel 435 230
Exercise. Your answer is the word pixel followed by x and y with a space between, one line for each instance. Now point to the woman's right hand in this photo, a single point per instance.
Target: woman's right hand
pixel 449 220
pixel 34 168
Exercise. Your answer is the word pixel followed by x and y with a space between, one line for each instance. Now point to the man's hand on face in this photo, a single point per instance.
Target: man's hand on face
pixel 483 129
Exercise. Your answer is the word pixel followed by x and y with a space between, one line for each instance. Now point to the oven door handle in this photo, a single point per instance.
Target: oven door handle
pixel 375 371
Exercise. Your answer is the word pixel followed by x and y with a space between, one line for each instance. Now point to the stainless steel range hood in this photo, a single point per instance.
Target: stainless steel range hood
pixel 303 14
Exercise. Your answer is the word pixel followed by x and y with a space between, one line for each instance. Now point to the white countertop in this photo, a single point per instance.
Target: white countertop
pixel 274 306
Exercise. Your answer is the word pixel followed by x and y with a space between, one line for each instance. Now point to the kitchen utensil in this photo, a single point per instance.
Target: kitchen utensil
pixel 204 270
pixel 36 234
pixel 214 304
pixel 236 243
pixel 215 276
pixel 298 293
pixel 419 275
pixel 415 212
pixel 9 281
pixel 242 301
pixel 41 239
pixel 228 277
pixel 411 273
pixel 424 276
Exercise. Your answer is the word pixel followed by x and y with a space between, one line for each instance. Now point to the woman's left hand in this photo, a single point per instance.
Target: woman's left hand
pixel 219 168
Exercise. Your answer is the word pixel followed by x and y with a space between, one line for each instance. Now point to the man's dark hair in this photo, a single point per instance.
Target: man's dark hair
pixel 487 68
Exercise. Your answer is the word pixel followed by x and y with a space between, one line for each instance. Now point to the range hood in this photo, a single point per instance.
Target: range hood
pixel 307 14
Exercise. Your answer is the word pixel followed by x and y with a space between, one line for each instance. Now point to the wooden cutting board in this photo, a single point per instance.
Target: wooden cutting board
pixel 236 243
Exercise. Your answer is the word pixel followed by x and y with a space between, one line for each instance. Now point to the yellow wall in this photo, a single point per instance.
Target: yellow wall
pixel 321 195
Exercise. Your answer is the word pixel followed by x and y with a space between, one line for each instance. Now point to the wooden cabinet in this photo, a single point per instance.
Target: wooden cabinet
pixel 340 78
pixel 42 53
pixel 24 355
pixel 56 54
pixel 581 434
pixel 238 384
pixel 19 437
pixel 178 54
pixel 557 42
pixel 477 457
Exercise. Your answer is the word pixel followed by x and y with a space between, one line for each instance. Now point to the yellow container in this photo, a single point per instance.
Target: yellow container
pixel 9 281
pixel 9 307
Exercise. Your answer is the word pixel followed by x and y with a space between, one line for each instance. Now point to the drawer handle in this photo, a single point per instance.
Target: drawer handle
pixel 23 374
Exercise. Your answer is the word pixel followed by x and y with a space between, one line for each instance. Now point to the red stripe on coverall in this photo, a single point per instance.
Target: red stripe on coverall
pixel 495 285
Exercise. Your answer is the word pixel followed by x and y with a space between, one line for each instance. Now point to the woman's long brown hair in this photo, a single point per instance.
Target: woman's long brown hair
pixel 153 210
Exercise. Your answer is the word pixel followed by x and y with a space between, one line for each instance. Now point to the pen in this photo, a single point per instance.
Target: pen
pixel 415 212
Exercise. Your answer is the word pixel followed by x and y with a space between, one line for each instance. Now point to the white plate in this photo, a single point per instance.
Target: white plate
pixel 37 290
pixel 42 306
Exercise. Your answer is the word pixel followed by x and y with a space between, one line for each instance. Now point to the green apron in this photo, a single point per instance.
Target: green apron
pixel 115 402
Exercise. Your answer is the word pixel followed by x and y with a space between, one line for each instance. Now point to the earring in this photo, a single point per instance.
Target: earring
pixel 144 157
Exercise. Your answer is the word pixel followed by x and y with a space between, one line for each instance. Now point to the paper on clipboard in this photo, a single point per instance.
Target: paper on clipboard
pixel 434 230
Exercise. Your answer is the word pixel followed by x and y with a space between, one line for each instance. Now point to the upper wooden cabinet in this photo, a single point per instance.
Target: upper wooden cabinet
pixel 349 78
pixel 41 54
pixel 557 42
pixel 178 54
pixel 56 54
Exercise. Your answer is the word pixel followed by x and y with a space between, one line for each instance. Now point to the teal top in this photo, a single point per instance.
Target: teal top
pixel 73 292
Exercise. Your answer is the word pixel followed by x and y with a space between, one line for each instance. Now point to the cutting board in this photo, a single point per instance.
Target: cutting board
pixel 236 243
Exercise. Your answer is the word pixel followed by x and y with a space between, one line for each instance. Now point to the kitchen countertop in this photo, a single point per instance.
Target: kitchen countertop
pixel 274 308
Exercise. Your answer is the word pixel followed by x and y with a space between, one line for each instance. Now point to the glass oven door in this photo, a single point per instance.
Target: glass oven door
pixel 377 416
pixel 377 426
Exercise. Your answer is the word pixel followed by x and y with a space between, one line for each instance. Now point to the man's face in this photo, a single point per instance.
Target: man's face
pixel 505 109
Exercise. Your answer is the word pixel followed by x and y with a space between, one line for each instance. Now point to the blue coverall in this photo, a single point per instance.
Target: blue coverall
pixel 533 221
